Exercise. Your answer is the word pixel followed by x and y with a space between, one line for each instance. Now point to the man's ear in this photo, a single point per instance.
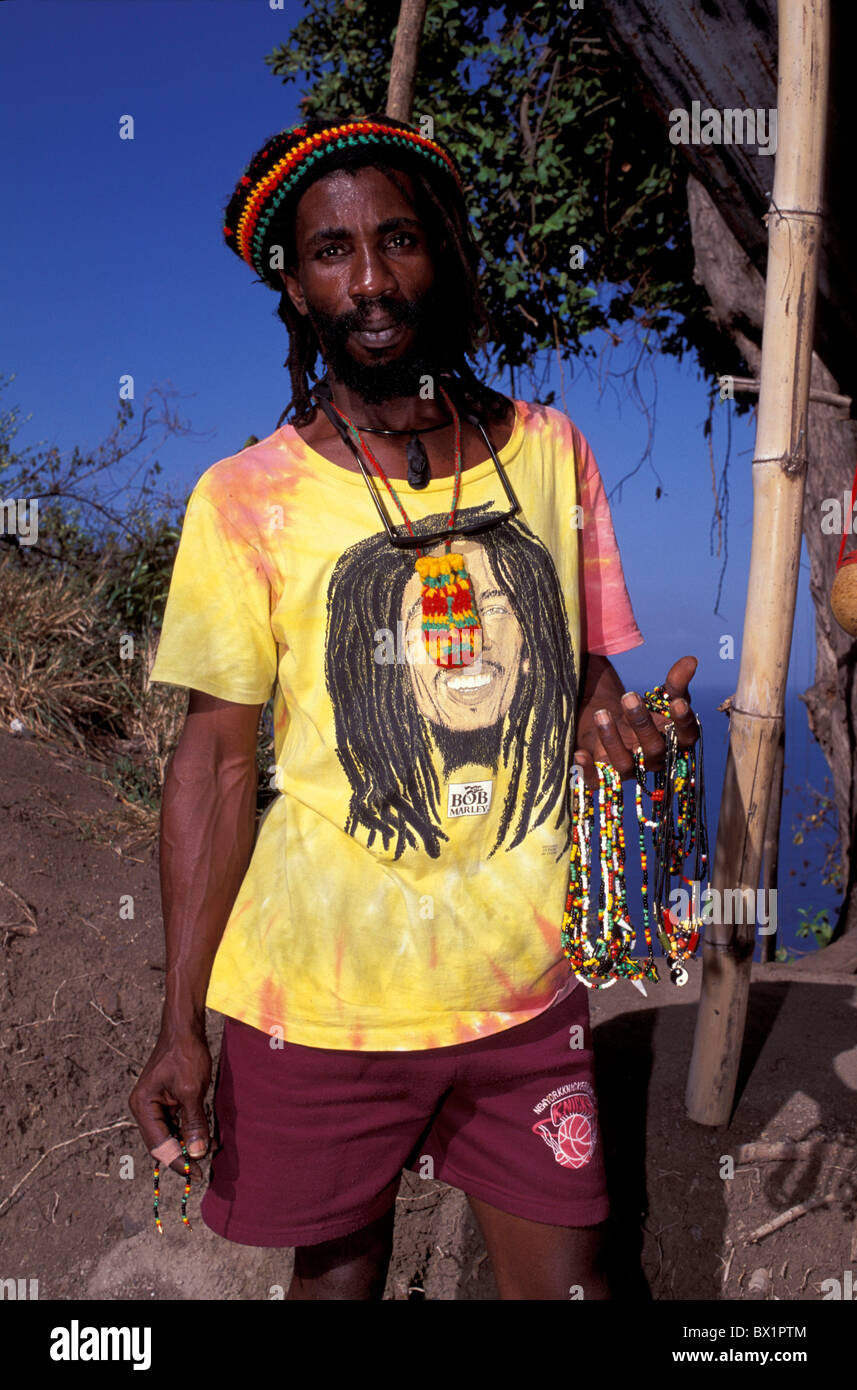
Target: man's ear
pixel 293 289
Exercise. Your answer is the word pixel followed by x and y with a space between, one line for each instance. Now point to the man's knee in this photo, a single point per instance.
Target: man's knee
pixel 349 1267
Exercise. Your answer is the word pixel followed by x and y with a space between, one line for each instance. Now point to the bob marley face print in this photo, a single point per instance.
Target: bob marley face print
pixel 479 695
pixel 398 725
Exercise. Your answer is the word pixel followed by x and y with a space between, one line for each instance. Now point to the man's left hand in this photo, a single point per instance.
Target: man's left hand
pixel 611 734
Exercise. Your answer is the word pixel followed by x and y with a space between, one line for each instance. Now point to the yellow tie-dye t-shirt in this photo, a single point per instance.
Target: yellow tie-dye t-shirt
pixel 407 885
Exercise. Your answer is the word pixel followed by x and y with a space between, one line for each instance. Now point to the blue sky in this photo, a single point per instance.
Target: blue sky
pixel 113 263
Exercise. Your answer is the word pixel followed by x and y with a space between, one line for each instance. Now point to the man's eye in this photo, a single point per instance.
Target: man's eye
pixel 327 248
pixel 402 236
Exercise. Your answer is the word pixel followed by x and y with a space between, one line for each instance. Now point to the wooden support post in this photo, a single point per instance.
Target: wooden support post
pixel 779 465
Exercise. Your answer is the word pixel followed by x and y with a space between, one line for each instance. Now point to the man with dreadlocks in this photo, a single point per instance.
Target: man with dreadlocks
pixel 424 575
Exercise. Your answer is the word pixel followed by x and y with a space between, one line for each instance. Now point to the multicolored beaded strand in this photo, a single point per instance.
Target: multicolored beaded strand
pixel 185 1194
pixel 157 1198
pixel 674 842
pixel 599 964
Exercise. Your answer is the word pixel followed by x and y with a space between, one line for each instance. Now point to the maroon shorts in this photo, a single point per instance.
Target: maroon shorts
pixel 312 1141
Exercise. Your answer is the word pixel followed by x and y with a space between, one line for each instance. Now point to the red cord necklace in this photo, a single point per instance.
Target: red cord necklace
pixel 452 633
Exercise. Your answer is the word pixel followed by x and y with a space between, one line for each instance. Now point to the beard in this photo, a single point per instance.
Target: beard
pixel 457 747
pixel 382 381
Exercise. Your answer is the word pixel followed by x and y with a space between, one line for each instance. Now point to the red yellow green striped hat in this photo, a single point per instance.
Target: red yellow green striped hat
pixel 290 160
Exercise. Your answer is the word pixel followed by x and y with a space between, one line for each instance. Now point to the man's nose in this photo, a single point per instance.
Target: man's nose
pixel 371 274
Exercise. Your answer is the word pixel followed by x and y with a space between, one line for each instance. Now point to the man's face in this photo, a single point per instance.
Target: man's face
pixel 365 277
pixel 478 695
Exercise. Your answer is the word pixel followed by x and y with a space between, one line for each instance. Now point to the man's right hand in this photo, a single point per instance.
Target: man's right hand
pixel 169 1098
pixel 208 818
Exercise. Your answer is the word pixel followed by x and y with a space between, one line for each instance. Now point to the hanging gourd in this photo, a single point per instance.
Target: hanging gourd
pixel 843 595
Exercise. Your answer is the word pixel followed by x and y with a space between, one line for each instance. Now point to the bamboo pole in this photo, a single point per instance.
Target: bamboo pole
pixel 779 465
pixel 771 848
pixel 403 67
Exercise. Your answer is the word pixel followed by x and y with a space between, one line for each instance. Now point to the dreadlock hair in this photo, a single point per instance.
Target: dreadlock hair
pixel 382 738
pixel 440 205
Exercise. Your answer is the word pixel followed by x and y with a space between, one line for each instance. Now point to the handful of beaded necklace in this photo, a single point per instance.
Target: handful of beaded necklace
pixel 601 961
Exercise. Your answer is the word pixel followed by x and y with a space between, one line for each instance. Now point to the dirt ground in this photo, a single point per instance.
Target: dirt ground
pixel 82 968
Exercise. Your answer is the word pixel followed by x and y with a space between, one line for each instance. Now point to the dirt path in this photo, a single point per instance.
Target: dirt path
pixel 79 1013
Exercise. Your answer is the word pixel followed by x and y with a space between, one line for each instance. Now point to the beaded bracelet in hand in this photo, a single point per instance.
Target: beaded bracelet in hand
pixel 599 963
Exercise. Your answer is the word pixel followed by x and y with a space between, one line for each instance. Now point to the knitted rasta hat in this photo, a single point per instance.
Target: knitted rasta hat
pixel 266 195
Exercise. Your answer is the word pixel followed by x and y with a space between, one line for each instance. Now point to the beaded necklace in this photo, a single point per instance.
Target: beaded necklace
pixel 157 1197
pixel 600 962
pixel 452 633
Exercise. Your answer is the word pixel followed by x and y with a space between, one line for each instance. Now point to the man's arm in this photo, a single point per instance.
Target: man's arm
pixel 206 842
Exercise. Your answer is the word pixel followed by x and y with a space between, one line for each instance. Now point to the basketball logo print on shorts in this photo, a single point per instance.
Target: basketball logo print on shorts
pixel 571 1129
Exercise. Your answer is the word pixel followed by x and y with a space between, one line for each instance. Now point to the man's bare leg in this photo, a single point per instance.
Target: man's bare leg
pixel 350 1267
pixel 534 1261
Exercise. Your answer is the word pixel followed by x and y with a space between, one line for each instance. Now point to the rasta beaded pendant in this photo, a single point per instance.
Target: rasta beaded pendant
pixel 452 633
pixel 600 961
pixel 451 629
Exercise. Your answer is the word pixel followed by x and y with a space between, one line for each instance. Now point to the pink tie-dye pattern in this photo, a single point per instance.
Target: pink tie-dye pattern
pixel 608 618
pixel 546 927
pixel 519 1001
pixel 253 488
pixel 340 947
pixel 272 1003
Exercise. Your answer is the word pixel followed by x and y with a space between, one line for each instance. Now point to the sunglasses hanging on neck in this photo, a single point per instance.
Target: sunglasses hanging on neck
pixel 419 473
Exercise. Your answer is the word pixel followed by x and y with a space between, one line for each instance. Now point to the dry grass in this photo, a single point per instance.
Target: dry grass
pixel 78 679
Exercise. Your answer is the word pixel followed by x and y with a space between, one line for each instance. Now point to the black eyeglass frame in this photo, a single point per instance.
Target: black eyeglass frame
pixel 406 542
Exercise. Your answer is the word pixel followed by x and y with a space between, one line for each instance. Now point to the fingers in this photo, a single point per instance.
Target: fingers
pixel 678 679
pixel 646 734
pixel 684 720
pixel 679 676
pixel 169 1155
pixel 162 1139
pixel 612 747
pixel 167 1152
pixel 195 1128
pixel 618 739
pixel 586 763
pixel 150 1111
